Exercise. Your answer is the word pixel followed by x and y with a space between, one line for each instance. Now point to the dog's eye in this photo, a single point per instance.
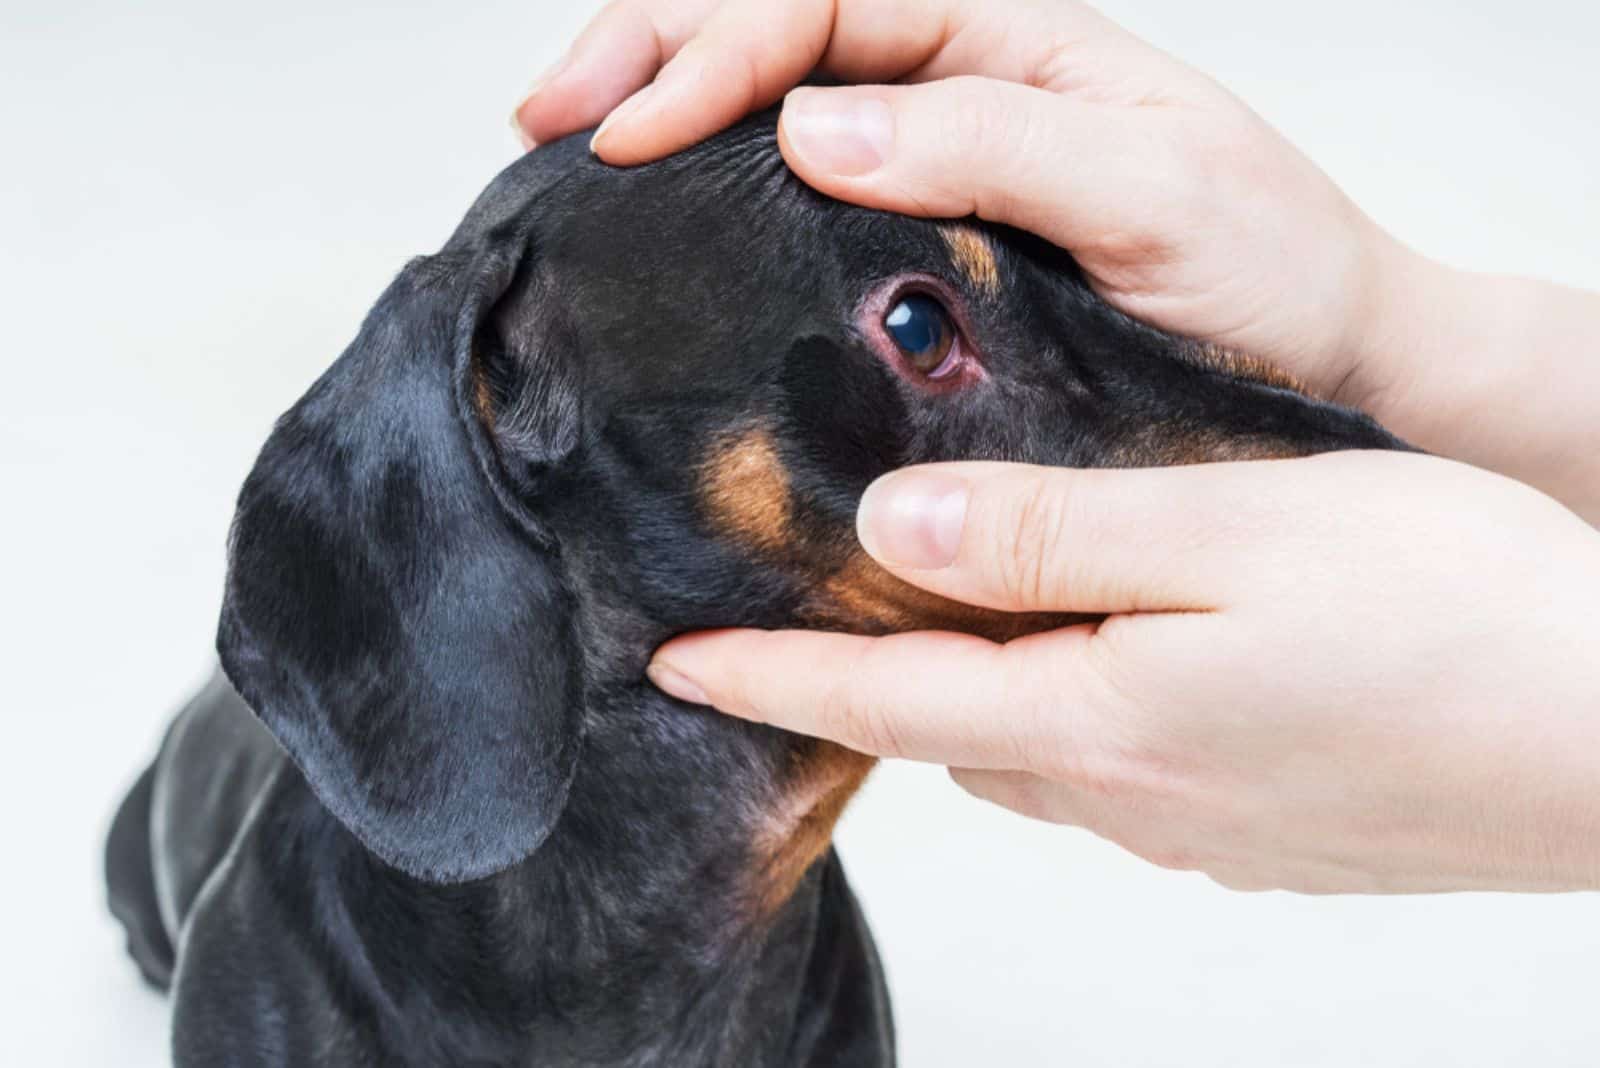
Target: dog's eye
pixel 921 329
pixel 918 326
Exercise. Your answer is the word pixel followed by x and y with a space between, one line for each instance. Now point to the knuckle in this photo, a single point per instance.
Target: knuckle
pixel 633 11
pixel 745 73
pixel 865 724
pixel 966 113
pixel 1239 882
pixel 1036 804
pixel 971 120
pixel 1036 526
pixel 1170 857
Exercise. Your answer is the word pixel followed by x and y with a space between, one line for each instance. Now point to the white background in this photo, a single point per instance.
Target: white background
pixel 198 201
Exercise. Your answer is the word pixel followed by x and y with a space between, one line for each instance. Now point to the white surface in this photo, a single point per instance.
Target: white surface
pixel 198 201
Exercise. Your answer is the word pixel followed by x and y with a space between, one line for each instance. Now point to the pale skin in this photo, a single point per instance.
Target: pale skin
pixel 1366 672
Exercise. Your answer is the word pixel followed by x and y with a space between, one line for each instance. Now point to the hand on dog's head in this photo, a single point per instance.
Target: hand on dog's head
pixel 621 404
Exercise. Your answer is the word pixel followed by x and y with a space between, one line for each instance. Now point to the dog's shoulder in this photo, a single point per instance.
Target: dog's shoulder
pixel 211 771
pixel 263 975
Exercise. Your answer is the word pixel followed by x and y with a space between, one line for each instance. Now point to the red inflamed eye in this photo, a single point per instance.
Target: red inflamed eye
pixel 921 329
pixel 913 325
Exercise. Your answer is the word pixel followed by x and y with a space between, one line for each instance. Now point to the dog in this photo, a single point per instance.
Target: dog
pixel 433 814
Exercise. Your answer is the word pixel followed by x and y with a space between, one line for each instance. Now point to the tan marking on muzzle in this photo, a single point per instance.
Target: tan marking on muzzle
pixel 973 256
pixel 1182 448
pixel 1239 365
pixel 745 491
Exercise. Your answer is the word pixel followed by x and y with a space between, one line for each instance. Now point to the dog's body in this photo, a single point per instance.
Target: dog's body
pixel 460 829
pixel 301 948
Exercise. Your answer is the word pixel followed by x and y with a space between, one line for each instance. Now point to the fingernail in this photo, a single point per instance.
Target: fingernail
pixel 528 143
pixel 549 75
pixel 913 519
pixel 621 111
pixel 838 132
pixel 675 684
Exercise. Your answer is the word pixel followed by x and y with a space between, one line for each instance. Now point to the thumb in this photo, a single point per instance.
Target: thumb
pixel 1021 538
pixel 1008 153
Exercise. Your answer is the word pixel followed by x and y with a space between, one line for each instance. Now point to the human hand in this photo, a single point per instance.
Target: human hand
pixel 1362 672
pixel 1183 207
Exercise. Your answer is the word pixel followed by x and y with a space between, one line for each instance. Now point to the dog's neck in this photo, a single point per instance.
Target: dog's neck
pixel 685 908
pixel 653 925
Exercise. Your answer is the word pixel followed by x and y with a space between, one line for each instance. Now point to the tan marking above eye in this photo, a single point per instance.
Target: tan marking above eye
pixel 973 256
pixel 744 488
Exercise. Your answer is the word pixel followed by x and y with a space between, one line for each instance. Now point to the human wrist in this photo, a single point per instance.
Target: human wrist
pixel 1497 371
pixel 1404 316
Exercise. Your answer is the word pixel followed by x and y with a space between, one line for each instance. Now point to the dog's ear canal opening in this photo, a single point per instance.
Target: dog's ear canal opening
pixel 526 385
pixel 394 612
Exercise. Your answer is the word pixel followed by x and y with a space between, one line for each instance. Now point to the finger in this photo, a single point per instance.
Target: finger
pixel 750 52
pixel 1065 169
pixel 620 50
pixel 1022 538
pixel 744 58
pixel 1022 792
pixel 1133 823
pixel 944 698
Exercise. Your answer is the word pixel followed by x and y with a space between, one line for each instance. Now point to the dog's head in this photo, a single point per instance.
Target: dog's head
pixel 622 404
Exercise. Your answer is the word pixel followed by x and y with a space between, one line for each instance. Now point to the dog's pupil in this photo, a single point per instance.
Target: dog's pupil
pixel 920 328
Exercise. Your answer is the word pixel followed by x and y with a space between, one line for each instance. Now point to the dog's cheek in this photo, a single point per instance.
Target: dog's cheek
pixel 845 420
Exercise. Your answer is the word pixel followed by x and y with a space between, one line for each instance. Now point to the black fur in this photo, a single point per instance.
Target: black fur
pixel 460 828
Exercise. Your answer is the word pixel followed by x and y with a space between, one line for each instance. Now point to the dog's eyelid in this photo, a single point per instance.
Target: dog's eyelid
pixel 918 325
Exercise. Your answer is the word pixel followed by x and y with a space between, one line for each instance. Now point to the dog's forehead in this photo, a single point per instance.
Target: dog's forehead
pixel 520 184
pixel 714 261
pixel 728 205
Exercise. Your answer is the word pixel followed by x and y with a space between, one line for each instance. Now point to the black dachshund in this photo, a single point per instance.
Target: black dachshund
pixel 434 815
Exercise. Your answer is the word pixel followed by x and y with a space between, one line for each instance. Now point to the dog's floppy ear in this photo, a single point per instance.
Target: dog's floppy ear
pixel 393 613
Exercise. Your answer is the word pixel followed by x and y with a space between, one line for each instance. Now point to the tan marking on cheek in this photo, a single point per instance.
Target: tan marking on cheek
pixel 863 597
pixel 860 597
pixel 1171 447
pixel 973 256
pixel 1238 364
pixel 744 488
pixel 824 778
